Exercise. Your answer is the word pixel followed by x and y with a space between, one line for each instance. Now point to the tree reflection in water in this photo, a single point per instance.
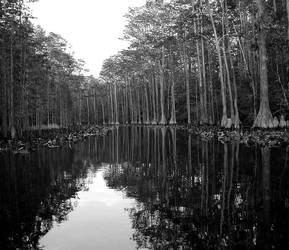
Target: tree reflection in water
pixel 198 194
pixel 39 189
pixel 190 193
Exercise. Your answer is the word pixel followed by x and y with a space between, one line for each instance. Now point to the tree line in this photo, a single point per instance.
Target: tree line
pixel 42 84
pixel 206 62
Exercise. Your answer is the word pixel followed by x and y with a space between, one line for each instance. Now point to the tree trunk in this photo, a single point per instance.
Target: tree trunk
pixel 95 107
pixel 132 120
pixel 116 105
pixel 223 87
pixel 103 114
pixel 187 79
pixel 236 121
pixel 4 126
pixel 87 107
pixel 227 69
pixel 138 106
pixel 79 109
pixel 248 73
pixel 211 90
pixel 205 99
pixel 126 105
pixel 287 6
pixel 232 113
pixel 201 86
pixel 157 98
pixel 154 121
pixel 147 102
pixel 264 118
pixel 48 102
pixel 111 106
pixel 162 80
pixel 173 102
pixel 201 70
pixel 11 94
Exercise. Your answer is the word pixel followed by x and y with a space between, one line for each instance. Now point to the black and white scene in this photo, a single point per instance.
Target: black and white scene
pixel 144 124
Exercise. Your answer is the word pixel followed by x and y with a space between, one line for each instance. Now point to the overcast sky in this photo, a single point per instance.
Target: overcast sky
pixel 92 27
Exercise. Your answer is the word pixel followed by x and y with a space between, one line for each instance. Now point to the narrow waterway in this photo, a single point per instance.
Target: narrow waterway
pixel 146 188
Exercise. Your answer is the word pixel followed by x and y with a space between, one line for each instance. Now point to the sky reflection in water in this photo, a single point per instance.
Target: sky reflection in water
pixel 99 221
pixel 146 188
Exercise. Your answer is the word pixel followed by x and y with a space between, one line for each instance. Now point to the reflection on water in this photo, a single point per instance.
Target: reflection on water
pixel 99 221
pixel 146 188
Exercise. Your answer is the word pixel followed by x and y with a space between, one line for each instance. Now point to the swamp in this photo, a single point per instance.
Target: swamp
pixel 144 124
pixel 146 188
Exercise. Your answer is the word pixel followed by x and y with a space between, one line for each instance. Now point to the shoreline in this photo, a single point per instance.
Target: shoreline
pixel 55 138
pixel 50 138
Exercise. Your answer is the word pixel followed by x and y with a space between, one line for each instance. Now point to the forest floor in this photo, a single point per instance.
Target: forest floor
pixel 55 138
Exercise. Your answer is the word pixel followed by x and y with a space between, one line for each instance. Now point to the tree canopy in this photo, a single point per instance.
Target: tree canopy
pixel 217 62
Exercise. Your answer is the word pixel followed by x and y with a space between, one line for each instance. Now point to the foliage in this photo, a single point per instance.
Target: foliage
pixel 185 31
pixel 41 82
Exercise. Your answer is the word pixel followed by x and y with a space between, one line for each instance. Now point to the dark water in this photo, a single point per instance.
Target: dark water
pixel 146 188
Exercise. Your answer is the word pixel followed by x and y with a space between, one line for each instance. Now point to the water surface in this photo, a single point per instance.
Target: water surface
pixel 146 188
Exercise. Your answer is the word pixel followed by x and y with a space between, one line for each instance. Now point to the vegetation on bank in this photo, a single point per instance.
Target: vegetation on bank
pixel 55 138
pixel 201 62
pixel 50 138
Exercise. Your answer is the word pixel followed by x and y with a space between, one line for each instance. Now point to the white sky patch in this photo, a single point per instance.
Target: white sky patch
pixel 91 27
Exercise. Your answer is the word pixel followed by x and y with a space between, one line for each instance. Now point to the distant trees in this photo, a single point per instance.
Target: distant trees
pixel 202 62
pixel 41 83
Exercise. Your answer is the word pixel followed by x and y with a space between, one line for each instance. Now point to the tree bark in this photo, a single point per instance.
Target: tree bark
pixel 154 99
pixel 227 70
pixel 211 90
pixel 116 104
pixel 248 73
pixel 187 79
pixel 103 113
pixel 11 94
pixel 95 111
pixel 79 110
pixel 201 86
pixel 132 120
pixel 264 118
pixel 162 80
pixel 236 121
pixel 205 99
pixel 147 102
pixel 126 104
pixel 287 7
pixel 4 126
pixel 223 87
pixel 173 102
pixel 138 105
pixel 111 106
pixel 87 107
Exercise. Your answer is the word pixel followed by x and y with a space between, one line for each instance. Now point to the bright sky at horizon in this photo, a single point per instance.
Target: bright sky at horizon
pixel 91 27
